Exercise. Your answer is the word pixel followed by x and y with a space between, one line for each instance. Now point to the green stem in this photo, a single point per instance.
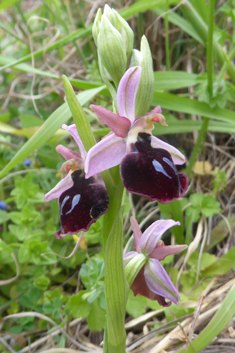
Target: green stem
pixel 198 145
pixel 209 47
pixel 167 49
pixel 210 65
pixel 115 282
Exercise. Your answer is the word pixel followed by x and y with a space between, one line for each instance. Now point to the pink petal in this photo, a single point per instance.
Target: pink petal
pixel 119 124
pixel 128 256
pixel 73 132
pixel 63 185
pixel 137 233
pixel 126 93
pixel 139 286
pixel 67 153
pixel 177 156
pixel 156 110
pixel 161 252
pixel 153 233
pixel 159 282
pixel 104 155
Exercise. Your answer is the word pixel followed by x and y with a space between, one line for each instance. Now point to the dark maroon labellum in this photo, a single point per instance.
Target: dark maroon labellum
pixel 81 205
pixel 150 172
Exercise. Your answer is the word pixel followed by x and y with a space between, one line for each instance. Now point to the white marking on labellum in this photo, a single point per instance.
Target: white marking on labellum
pixel 159 168
pixel 75 201
pixel 168 161
pixel 63 203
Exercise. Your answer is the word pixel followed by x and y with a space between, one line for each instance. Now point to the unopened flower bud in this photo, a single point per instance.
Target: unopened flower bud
pixel 96 26
pixel 114 39
pixel 126 33
pixel 111 50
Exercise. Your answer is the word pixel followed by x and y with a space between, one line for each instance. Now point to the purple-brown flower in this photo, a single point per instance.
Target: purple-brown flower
pixel 82 200
pixel 147 163
pixel 152 281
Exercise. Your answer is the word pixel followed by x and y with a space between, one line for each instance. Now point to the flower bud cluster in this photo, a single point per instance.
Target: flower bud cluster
pixel 115 44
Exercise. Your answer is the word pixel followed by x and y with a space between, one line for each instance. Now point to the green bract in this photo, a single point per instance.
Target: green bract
pixel 111 51
pixel 114 39
pixel 145 92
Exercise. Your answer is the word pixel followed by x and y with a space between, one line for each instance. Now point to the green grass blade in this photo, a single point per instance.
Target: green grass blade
pixel 184 126
pixel 138 7
pixel 29 69
pixel 190 106
pixel 217 324
pixel 47 130
pixel 171 80
pixel 7 3
pixel 143 5
pixel 181 22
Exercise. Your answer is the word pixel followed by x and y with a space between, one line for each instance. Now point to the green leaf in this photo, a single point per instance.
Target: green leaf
pixel 78 306
pixel 4 216
pixel 171 80
pixel 47 130
pixel 5 253
pixel 7 3
pixel 221 265
pixel 217 324
pixel 174 210
pixel 42 282
pixel 48 308
pixel 82 124
pixel 210 206
pixel 191 106
pixel 96 317
pixel 219 232
pixel 136 305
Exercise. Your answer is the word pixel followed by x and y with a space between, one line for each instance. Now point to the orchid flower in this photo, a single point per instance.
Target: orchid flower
pixel 82 201
pixel 152 281
pixel 147 163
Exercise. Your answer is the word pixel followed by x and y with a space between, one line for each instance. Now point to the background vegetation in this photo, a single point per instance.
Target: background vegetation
pixel 52 303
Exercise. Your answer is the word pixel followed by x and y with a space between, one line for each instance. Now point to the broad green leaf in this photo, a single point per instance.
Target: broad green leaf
pixel 136 305
pixel 190 106
pixel 5 253
pixel 217 324
pixel 42 282
pixel 96 317
pixel 7 3
pixel 47 130
pixel 210 206
pixel 219 232
pixel 222 265
pixel 170 80
pixel 78 306
pixel 143 5
pixel 176 126
pixel 174 210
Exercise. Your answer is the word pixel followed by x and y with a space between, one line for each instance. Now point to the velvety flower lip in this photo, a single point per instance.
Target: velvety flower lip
pixel 152 281
pixel 81 205
pixel 131 144
pixel 82 201
pixel 150 172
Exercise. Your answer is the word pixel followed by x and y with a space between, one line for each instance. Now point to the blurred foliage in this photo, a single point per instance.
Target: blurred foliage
pixel 32 277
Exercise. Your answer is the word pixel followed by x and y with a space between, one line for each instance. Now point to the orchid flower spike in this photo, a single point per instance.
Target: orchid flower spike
pixel 147 163
pixel 152 281
pixel 82 201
